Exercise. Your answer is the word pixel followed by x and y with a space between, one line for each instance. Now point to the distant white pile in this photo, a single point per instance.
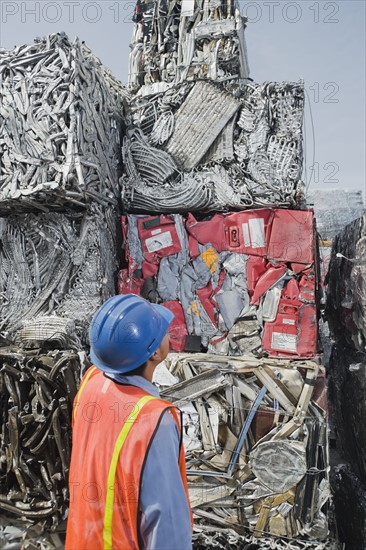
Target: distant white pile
pixel 334 209
pixel 60 118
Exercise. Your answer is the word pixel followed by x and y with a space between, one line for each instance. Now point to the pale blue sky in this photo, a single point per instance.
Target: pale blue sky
pixel 322 42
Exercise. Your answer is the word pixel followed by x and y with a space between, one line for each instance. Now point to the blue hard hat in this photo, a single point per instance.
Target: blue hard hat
pixel 126 331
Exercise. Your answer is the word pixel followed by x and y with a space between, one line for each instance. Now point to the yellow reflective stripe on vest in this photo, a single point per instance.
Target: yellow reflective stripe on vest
pixel 87 376
pixel 108 514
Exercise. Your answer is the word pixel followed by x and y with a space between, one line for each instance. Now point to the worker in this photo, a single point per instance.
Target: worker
pixel 128 486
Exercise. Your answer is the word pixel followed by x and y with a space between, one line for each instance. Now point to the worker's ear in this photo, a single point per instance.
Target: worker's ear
pixel 156 356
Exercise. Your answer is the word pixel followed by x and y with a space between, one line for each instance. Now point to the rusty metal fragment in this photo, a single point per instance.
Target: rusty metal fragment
pixel 37 394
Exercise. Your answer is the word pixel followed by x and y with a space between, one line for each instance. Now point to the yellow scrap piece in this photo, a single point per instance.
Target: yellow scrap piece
pixel 265 506
pixel 211 259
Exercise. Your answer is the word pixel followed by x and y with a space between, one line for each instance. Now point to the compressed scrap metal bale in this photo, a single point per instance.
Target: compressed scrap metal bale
pixel 350 507
pixel 37 392
pixel 346 296
pixel 347 395
pixel 210 146
pixel 61 115
pixel 240 283
pixel 334 209
pixel 256 449
pixel 174 40
pixel 52 266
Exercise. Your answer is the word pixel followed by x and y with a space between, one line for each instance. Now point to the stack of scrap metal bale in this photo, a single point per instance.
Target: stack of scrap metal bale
pixel 61 117
pixel 333 209
pixel 216 230
pixel 346 313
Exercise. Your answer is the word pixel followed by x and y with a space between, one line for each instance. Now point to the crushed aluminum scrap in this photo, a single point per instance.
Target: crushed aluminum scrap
pixel 25 536
pixel 251 156
pixel 61 115
pixel 174 40
pixel 256 450
pixel 37 392
pixel 55 271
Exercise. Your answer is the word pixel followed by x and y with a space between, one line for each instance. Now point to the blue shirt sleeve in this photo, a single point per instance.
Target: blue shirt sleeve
pixel 165 515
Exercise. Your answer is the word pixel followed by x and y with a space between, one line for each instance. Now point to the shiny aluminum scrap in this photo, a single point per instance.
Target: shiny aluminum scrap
pixel 175 40
pixel 61 115
pixel 201 146
pixel 55 266
pixel 256 449
pixel 37 391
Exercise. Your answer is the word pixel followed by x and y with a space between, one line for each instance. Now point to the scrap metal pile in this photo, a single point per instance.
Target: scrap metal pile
pixel 239 283
pixel 174 40
pixel 54 264
pixel 61 115
pixel 256 445
pixel 347 289
pixel 203 146
pixel 61 119
pixel 346 313
pixel 215 229
pixel 37 392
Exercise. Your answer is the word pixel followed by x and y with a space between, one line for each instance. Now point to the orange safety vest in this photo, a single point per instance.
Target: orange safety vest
pixel 113 426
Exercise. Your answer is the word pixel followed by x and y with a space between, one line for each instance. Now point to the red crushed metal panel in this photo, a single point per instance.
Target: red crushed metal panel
pixel 205 295
pixel 149 269
pixel 177 328
pixel 248 232
pixel 307 286
pixel 268 279
pixel 280 335
pixel 292 236
pixel 127 284
pixel 159 237
pixel 256 266
pixel 308 331
pixel 208 231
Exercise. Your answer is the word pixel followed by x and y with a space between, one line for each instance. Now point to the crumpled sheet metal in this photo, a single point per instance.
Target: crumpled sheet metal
pixel 240 283
pixel 175 40
pixel 234 146
pixel 61 115
pixel 24 535
pixel 227 539
pixel 346 292
pixel 55 265
pixel 256 450
pixel 192 136
pixel 37 392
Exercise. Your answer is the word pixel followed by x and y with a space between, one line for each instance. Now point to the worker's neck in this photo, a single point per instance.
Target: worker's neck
pixel 147 371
